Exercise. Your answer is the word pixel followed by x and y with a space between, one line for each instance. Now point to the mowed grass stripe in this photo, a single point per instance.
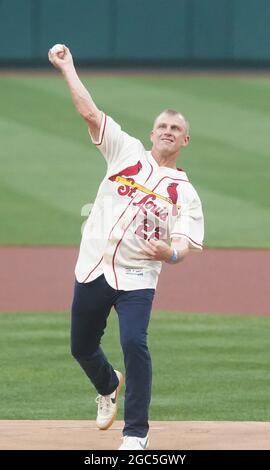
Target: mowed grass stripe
pixel 206 367
pixel 27 220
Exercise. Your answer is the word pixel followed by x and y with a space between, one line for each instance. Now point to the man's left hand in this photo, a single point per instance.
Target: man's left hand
pixel 158 250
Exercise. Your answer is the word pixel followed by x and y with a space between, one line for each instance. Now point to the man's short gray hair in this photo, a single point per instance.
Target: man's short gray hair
pixel 173 112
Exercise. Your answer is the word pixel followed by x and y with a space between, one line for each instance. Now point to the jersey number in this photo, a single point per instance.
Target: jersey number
pixel 147 230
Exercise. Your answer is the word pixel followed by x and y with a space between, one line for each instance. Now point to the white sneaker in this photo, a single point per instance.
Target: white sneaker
pixel 134 443
pixel 107 406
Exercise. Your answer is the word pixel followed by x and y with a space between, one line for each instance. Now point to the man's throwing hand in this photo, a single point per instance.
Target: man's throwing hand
pixel 158 250
pixel 60 56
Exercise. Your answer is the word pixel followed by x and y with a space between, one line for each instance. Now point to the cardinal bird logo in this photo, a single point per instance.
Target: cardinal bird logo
pixel 173 195
pixel 129 171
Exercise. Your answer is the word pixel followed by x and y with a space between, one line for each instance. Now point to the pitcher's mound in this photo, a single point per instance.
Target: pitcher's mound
pixel 164 435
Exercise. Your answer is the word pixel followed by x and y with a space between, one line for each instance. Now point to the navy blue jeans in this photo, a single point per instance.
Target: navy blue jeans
pixel 90 309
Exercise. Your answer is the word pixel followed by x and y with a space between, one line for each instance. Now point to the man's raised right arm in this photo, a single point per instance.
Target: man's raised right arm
pixel 81 98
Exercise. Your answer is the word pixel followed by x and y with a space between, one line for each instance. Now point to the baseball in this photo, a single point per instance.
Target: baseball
pixel 59 50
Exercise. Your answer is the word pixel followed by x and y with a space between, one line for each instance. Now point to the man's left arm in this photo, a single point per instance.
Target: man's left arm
pixel 158 250
pixel 186 234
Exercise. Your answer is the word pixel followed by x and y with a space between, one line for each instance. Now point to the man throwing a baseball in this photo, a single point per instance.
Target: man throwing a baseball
pixel 146 212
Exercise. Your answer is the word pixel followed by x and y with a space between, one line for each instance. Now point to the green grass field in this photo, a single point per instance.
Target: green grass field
pixel 49 169
pixel 206 367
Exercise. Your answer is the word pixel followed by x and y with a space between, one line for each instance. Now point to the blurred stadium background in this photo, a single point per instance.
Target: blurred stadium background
pixel 208 58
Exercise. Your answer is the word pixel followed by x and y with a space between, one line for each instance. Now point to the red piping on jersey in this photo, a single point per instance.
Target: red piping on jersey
pixel 116 248
pixel 103 130
pixel 174 179
pixel 99 143
pixel 184 235
pixel 113 228
pixel 115 276
pixel 93 269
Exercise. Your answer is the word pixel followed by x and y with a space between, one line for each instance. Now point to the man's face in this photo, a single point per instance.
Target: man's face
pixel 169 134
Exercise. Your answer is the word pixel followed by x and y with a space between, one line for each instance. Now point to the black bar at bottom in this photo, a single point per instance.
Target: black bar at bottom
pixel 116 459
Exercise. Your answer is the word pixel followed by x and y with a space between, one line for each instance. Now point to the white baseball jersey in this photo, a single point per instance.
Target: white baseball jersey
pixel 138 200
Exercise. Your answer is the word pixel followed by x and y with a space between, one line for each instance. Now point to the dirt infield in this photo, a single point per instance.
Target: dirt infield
pixel 164 435
pixel 40 279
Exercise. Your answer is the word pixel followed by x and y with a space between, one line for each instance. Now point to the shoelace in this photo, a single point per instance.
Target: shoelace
pixel 104 403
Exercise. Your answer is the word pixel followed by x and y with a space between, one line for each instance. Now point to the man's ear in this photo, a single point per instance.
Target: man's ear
pixel 151 136
pixel 186 140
